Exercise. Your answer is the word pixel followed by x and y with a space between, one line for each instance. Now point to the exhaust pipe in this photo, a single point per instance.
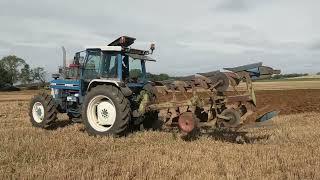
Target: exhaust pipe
pixel 64 56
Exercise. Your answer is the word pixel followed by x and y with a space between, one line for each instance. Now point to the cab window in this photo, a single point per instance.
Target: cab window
pixel 92 66
pixel 135 70
pixel 109 65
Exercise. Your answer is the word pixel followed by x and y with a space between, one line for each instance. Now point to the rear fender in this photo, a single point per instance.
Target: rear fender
pixel 124 89
pixel 96 82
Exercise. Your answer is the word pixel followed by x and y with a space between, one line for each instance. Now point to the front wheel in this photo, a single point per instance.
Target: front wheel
pixel 106 111
pixel 42 110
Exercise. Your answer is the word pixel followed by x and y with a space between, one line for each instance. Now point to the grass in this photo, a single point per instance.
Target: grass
pixel 286 148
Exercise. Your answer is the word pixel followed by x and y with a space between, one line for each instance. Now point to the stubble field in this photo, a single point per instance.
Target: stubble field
pixel 287 147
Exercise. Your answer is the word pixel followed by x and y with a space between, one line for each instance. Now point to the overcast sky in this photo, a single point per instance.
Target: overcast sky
pixel 190 36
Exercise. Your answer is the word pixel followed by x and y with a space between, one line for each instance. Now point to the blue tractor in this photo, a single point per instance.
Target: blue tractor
pixel 96 88
pixel 107 88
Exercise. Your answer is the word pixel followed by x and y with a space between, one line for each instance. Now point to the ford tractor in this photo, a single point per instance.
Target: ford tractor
pixel 107 89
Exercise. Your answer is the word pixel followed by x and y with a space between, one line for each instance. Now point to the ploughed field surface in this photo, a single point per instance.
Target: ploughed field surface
pixel 287 147
pixel 290 101
pixel 285 101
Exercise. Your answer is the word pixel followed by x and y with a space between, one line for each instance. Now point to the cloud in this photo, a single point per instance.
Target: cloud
pixel 231 5
pixel 236 6
pixel 315 46
pixel 185 32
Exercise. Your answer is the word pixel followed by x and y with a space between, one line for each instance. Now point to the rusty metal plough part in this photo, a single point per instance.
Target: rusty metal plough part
pixel 205 99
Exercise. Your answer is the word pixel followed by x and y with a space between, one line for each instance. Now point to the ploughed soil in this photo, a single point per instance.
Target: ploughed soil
pixel 290 101
pixel 286 101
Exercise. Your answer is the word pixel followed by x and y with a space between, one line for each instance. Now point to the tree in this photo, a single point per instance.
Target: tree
pixel 4 75
pixel 12 64
pixel 135 73
pixel 39 74
pixel 284 76
pixel 25 75
pixel 158 77
pixel 163 77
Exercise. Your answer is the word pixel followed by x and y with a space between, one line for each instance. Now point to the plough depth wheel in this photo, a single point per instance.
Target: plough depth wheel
pixel 232 118
pixel 187 122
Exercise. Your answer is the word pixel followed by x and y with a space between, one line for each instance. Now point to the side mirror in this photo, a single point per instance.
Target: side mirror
pixel 60 70
pixel 152 47
pixel 55 76
pixel 77 58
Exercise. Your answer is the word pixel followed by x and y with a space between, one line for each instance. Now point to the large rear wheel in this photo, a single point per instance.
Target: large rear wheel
pixel 106 111
pixel 42 110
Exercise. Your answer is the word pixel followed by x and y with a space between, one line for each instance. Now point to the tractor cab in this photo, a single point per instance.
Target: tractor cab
pixel 116 62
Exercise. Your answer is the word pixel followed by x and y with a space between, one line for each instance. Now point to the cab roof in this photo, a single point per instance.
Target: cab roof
pixel 122 44
pixel 105 48
pixel 117 45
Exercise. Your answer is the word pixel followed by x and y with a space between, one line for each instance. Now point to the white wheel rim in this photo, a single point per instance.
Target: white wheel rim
pixel 38 112
pixel 101 113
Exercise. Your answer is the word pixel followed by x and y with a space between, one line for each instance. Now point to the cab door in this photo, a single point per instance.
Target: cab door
pixel 92 66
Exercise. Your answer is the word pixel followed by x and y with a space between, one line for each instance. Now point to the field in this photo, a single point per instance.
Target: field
pixel 287 147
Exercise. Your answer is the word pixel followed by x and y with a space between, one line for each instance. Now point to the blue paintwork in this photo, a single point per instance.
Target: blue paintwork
pixel 267 116
pixel 144 72
pixel 119 59
pixel 254 73
pixel 133 85
pixel 65 84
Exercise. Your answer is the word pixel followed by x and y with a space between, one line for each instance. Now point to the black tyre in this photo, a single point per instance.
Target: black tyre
pixel 151 121
pixel 42 110
pixel 106 111
pixel 76 118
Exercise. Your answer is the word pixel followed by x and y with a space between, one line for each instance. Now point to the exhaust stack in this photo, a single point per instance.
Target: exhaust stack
pixel 64 56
